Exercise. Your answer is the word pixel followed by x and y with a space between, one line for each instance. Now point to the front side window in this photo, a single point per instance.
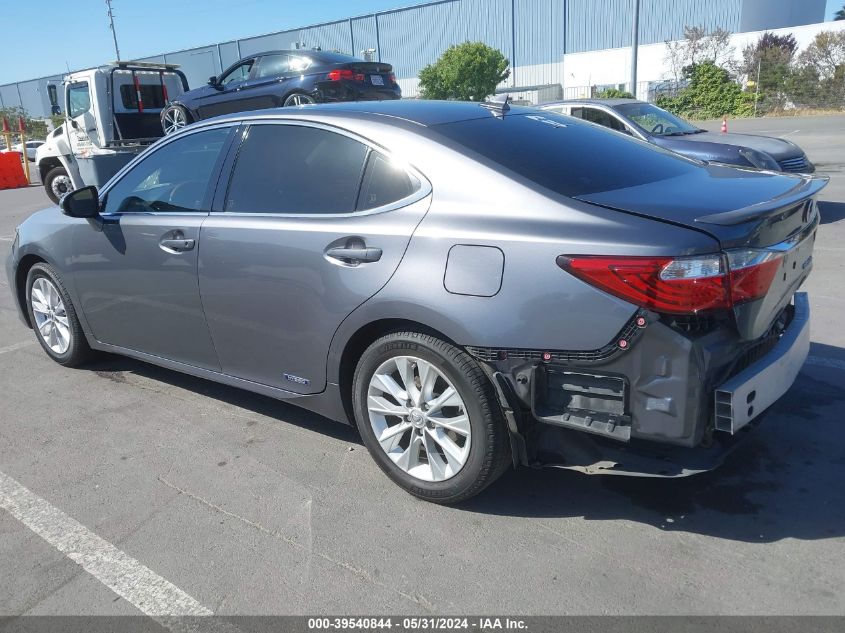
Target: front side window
pixel 78 99
pixel 173 179
pixel 273 66
pixel 296 170
pixel 238 73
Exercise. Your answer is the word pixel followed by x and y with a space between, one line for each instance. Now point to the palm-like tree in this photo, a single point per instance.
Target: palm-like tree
pixel 840 15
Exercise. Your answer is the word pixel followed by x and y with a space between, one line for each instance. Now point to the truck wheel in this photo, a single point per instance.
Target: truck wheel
pixel 429 417
pixel 174 118
pixel 57 183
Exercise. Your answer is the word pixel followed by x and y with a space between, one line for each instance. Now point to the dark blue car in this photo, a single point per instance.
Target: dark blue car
pixel 283 78
pixel 659 127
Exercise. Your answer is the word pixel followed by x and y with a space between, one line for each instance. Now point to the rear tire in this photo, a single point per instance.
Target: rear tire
pixel 174 118
pixel 53 317
pixel 298 99
pixel 57 183
pixel 440 448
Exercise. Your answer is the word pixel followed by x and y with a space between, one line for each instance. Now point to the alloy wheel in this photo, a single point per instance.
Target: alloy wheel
pixel 298 99
pixel 51 318
pixel 174 120
pixel 419 418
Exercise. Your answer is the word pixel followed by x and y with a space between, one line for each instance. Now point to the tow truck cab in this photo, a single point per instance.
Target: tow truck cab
pixel 111 114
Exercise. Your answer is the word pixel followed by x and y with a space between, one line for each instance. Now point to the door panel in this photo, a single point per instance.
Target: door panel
pixel 142 295
pixel 273 298
pixel 135 267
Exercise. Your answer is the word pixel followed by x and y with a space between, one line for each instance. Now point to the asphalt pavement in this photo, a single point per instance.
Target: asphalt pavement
pixel 125 484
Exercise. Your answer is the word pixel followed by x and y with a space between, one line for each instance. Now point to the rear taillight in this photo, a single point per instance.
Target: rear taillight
pixel 679 285
pixel 392 78
pixel 752 272
pixel 344 73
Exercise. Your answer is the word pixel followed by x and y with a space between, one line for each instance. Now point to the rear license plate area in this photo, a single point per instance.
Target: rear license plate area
pixel 377 80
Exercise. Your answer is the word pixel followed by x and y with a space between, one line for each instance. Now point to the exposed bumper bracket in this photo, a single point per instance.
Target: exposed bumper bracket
pixel 756 388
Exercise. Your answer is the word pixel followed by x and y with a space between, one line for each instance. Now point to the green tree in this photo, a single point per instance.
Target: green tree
pixel 711 93
pixel 468 72
pixel 35 128
pixel 614 93
pixel 767 62
pixel 840 15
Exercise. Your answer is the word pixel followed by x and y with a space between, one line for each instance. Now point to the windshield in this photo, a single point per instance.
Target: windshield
pixel 655 120
pixel 568 156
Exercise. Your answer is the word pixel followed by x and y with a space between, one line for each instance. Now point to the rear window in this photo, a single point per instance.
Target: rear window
pixel 565 155
pixel 151 94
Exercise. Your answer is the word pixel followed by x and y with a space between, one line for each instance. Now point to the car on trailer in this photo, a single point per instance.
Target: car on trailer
pixel 283 78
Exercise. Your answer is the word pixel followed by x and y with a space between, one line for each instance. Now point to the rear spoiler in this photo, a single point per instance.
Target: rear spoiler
pixel 807 187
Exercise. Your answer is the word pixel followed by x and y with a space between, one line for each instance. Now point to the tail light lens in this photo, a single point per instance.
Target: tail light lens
pixel 345 73
pixel 392 78
pixel 752 272
pixel 679 285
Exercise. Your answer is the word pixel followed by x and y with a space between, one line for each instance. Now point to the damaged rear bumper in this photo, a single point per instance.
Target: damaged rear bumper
pixel 665 403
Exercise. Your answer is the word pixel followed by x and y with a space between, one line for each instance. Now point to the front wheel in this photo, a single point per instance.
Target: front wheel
pixel 429 417
pixel 57 183
pixel 53 317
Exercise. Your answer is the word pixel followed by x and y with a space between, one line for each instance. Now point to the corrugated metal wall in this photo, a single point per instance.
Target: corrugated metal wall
pixel 533 34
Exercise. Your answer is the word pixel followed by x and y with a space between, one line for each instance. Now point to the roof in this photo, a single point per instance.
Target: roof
pixel 422 112
pixel 606 102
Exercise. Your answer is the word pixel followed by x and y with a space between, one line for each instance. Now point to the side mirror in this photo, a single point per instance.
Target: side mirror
pixel 212 81
pixel 82 203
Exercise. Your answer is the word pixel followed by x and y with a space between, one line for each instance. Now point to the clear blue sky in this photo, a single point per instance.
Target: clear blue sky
pixel 77 35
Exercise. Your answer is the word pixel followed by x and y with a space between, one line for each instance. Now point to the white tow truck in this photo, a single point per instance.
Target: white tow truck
pixel 111 114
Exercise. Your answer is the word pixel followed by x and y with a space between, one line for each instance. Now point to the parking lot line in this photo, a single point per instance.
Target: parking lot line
pixel 137 584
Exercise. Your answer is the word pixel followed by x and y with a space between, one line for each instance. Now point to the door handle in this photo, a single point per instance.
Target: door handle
pixel 177 245
pixel 355 255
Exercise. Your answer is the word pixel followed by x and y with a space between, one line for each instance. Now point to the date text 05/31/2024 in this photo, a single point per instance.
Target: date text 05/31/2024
pixel 418 624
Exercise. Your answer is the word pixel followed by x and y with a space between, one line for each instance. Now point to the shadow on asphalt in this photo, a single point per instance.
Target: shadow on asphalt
pixel 830 212
pixel 784 481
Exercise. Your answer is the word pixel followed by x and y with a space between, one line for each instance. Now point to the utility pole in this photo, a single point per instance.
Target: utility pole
pixel 635 42
pixel 113 32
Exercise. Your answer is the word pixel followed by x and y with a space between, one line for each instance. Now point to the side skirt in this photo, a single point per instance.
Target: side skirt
pixel 327 403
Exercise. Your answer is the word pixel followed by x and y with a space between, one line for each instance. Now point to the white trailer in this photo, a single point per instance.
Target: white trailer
pixel 111 114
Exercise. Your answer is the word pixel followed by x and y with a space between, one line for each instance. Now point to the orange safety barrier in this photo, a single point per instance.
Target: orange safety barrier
pixel 11 171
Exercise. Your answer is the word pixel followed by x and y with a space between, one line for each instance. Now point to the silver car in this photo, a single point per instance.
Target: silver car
pixel 475 286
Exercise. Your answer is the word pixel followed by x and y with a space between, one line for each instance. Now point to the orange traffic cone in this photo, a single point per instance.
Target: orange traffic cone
pixel 724 125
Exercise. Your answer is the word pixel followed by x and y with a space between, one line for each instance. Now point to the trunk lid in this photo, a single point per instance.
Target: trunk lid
pixel 740 209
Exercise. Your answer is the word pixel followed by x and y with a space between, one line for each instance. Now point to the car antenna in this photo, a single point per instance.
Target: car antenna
pixel 498 105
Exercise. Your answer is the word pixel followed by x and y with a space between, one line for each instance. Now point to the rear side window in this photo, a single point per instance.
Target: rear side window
pixel 384 183
pixel 272 66
pixel 594 115
pixel 567 156
pixel 297 170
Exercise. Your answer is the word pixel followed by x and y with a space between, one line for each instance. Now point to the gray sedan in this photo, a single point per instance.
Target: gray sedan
pixel 655 125
pixel 474 286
